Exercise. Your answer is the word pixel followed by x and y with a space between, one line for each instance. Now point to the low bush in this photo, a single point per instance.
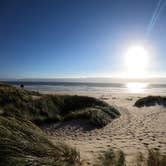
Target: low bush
pixel 151 101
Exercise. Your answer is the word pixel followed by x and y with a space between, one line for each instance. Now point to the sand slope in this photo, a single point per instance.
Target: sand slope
pixel 135 131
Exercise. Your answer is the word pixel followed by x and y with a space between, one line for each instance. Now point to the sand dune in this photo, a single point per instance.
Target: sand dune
pixel 135 131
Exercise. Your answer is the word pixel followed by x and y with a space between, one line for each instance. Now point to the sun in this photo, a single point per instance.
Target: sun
pixel 136 61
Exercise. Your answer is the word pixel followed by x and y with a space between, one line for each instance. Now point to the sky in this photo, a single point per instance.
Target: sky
pixel 77 38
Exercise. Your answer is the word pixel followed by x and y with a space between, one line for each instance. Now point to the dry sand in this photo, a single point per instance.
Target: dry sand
pixel 135 131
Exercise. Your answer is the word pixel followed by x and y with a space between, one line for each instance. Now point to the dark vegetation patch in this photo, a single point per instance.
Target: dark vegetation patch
pixel 151 101
pixel 17 102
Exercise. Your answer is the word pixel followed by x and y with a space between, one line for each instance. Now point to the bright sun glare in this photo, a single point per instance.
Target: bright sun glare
pixel 137 61
pixel 136 87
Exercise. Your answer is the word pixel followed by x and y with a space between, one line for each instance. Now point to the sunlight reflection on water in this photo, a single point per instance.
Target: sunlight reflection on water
pixel 136 87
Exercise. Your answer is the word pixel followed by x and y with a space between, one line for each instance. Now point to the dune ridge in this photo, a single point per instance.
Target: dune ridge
pixel 23 112
pixel 136 131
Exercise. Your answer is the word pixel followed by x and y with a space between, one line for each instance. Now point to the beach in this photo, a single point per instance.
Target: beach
pixel 82 128
pixel 136 130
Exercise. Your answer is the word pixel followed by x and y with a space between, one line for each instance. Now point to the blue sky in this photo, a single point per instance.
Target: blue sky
pixel 76 38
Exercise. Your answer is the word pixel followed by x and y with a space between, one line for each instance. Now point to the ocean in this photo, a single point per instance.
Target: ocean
pixel 91 87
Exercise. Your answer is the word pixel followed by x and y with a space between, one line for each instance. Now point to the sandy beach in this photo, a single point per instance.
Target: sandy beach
pixel 137 130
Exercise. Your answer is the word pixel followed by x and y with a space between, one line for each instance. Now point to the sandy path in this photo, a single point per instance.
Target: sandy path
pixel 136 130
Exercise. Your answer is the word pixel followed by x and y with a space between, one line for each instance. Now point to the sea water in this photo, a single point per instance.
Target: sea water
pixel 91 87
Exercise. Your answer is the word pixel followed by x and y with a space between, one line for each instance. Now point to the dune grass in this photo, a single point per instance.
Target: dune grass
pixel 151 101
pixel 18 102
pixel 155 158
pixel 117 158
pixel 98 116
pixel 23 143
pixel 111 158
